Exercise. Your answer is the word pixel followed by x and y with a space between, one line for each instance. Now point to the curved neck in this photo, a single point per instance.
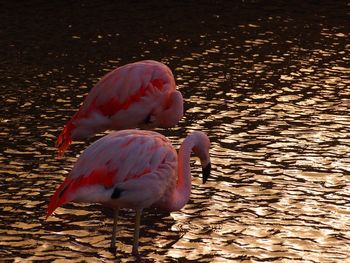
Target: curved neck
pixel 171 116
pixel 183 187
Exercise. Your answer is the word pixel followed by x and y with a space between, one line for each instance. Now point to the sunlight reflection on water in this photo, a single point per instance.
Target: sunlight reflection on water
pixel 277 115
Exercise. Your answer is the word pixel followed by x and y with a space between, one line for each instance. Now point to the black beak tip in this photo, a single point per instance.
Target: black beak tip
pixel 206 172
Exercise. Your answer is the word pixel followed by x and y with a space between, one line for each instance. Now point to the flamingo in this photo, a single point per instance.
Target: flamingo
pixel 134 169
pixel 137 95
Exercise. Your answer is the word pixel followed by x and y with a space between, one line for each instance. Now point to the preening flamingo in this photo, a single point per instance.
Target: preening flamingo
pixel 141 94
pixel 134 169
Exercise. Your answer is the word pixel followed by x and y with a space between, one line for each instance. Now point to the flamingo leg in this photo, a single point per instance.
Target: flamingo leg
pixel 114 232
pixel 135 246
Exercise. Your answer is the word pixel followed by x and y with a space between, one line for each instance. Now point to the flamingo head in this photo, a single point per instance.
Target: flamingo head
pixel 201 149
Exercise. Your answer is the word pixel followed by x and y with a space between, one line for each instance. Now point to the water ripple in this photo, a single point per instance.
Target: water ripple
pixel 268 83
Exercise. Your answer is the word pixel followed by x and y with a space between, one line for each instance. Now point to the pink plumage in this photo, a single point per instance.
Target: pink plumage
pixel 134 169
pixel 138 95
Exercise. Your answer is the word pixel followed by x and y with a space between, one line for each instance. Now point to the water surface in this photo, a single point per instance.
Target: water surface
pixel 269 84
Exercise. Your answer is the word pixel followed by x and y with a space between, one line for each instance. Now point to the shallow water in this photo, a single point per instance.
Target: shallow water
pixel 270 86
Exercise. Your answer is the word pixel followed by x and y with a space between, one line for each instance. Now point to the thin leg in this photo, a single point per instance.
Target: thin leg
pixel 114 232
pixel 135 246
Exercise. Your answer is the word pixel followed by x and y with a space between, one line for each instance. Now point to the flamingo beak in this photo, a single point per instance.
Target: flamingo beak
pixel 206 172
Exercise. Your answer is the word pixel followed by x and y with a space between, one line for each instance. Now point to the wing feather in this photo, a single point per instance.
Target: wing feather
pixel 128 81
pixel 113 160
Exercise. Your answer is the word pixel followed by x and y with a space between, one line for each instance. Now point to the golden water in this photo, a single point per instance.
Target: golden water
pixel 273 94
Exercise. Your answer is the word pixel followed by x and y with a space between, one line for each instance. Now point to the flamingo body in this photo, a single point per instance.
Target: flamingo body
pixel 134 169
pixel 141 94
pixel 126 160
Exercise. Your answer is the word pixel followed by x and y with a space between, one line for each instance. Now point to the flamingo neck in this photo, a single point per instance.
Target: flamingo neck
pixel 183 186
pixel 171 116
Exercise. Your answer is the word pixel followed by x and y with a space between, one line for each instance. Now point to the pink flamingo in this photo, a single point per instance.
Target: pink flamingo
pixel 141 94
pixel 134 169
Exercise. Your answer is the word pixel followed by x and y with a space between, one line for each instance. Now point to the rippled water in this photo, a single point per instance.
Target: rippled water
pixel 268 83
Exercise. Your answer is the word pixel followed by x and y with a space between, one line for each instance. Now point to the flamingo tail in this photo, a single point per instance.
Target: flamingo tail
pixel 65 192
pixel 59 198
pixel 65 137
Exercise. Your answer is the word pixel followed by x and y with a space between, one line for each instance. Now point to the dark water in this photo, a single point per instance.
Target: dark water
pixel 268 81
